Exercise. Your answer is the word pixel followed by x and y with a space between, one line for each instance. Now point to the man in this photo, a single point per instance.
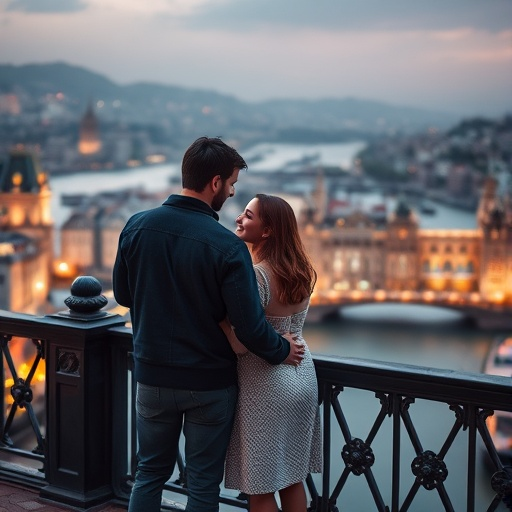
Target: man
pixel 181 273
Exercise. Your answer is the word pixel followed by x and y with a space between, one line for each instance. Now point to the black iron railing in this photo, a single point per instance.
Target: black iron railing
pixel 418 473
pixel 379 453
pixel 21 396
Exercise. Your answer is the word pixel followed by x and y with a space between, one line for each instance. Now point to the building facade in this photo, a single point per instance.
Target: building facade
pixel 356 255
pixel 352 253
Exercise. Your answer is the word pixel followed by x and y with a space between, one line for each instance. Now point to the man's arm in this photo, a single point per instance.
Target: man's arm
pixel 120 285
pixel 294 357
pixel 244 310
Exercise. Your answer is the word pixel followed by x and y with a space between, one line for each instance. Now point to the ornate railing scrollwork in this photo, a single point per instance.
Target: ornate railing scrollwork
pixel 22 396
pixel 68 362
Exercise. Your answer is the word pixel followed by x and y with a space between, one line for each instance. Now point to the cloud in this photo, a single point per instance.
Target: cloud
pixel 46 6
pixel 169 8
pixel 492 15
pixel 444 55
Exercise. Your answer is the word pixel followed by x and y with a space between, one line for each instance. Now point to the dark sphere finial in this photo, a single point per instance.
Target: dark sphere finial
pixel 85 295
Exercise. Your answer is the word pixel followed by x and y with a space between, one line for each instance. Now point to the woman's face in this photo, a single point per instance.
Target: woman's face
pixel 248 224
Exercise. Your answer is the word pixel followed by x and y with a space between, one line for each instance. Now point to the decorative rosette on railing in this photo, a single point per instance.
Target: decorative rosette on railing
pixel 429 470
pixel 501 482
pixel 85 295
pixel 21 393
pixel 358 456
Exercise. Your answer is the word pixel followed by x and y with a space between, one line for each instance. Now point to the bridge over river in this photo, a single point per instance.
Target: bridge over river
pixel 486 314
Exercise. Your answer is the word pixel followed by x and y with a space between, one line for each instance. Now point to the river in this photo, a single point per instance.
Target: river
pixel 419 335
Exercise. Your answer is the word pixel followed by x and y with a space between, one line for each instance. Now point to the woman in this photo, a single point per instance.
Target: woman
pixel 276 439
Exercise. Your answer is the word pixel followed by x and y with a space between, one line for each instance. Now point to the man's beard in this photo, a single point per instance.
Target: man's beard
pixel 218 200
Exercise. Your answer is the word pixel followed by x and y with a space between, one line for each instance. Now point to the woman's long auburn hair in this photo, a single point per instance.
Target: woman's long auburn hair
pixel 284 250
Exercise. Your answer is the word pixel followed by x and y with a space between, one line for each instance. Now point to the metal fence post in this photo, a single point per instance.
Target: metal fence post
pixel 78 391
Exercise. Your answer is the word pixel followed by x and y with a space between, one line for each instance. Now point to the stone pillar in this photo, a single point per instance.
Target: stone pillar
pixel 78 397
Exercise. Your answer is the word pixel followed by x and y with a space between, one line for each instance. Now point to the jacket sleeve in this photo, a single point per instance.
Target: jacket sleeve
pixel 120 284
pixel 245 312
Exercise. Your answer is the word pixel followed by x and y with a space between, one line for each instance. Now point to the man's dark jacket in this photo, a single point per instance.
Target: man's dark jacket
pixel 181 272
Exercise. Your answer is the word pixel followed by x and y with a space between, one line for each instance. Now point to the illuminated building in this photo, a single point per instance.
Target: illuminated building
pixel 89 237
pixel 89 142
pixel 495 221
pixel 26 234
pixel 356 256
pixel 401 261
pixel 77 240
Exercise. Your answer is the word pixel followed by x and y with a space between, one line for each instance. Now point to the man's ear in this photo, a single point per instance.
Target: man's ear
pixel 216 183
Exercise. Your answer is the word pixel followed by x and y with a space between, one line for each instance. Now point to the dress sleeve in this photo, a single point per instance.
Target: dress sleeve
pixel 263 285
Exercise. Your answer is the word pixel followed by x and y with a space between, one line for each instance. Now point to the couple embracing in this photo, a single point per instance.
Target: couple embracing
pixel 217 332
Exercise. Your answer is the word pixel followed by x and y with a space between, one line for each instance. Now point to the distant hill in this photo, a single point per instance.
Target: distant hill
pixel 214 113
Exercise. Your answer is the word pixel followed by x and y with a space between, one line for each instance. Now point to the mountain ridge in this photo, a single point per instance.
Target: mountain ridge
pixel 147 102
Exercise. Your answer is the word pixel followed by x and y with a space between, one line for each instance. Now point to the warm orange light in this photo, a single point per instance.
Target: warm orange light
pixel 17 179
pixel 41 178
pixel 428 296
pixel 497 297
pixel 6 249
pixel 89 147
pixel 63 269
pixel 475 297
pixel 462 284
pixel 341 286
pixel 155 159
pixel 437 283
pixel 379 295
pixel 406 295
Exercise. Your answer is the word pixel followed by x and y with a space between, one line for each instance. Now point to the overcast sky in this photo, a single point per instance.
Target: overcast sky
pixel 447 55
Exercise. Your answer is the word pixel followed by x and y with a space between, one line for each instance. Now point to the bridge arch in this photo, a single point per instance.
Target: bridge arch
pixel 412 306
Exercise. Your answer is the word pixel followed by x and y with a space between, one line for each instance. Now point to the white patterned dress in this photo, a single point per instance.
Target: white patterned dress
pixel 276 439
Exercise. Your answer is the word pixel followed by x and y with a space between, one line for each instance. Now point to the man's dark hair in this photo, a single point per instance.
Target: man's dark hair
pixel 206 158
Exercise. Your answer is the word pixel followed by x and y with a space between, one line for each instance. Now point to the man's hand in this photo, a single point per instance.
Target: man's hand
pixel 296 354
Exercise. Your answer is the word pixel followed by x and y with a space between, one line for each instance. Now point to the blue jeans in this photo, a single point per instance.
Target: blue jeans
pixel 207 420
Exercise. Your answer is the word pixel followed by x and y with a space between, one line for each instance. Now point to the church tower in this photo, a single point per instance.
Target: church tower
pixel 26 233
pixel 25 195
pixel 402 270
pixel 89 142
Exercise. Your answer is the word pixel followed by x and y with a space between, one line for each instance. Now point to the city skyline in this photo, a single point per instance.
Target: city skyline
pixel 454 57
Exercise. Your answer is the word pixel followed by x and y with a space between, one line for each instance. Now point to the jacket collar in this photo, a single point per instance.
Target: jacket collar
pixel 190 203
